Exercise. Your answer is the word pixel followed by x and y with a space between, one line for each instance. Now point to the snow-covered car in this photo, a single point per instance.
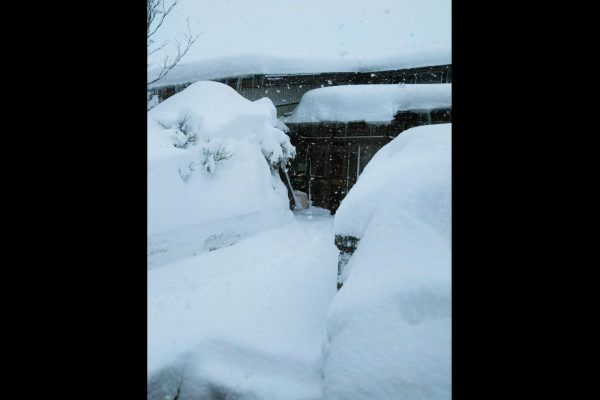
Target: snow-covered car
pixel 388 329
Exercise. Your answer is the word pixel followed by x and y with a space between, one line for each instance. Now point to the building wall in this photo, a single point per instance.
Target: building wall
pixel 286 90
pixel 332 155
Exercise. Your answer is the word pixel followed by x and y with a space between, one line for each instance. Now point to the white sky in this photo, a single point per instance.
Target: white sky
pixel 333 29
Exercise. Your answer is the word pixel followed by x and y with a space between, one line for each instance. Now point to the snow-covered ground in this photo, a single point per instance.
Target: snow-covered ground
pixel 246 320
pixel 260 318
pixel 190 240
pixel 238 286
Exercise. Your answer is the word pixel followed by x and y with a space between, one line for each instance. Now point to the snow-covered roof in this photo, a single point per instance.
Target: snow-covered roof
pixel 254 64
pixel 277 37
pixel 373 103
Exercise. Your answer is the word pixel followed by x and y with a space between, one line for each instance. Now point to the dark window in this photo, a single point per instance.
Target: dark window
pixel 407 117
pixel 441 116
pixel 428 77
pixel 168 92
pixel 247 83
pixel 232 83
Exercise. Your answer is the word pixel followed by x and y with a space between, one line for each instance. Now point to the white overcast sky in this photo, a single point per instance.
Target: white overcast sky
pixel 338 29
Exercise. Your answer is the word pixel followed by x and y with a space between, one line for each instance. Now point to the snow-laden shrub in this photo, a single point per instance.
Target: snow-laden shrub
pixel 214 151
pixel 213 154
pixel 184 134
pixel 181 132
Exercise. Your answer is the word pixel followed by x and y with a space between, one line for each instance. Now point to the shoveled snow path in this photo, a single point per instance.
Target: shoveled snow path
pixel 249 318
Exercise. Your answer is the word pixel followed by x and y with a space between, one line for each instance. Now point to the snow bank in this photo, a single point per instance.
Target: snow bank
pixel 389 327
pixel 245 321
pixel 213 155
pixel 411 173
pixel 375 103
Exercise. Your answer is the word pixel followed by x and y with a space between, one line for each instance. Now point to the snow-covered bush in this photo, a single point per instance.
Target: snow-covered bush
pixel 213 155
pixel 182 133
pixel 388 328
pixel 214 151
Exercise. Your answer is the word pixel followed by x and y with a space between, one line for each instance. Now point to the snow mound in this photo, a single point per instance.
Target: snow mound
pixel 373 103
pixel 245 321
pixel 411 173
pixel 213 155
pixel 389 327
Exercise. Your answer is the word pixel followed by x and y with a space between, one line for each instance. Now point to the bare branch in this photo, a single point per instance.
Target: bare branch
pixel 153 11
pixel 157 12
pixel 181 50
pixel 150 52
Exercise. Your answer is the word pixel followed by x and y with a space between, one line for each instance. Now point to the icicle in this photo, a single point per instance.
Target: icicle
pixel 309 162
pixel 348 175
pixel 358 163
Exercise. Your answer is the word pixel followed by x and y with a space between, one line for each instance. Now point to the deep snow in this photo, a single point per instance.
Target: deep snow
pixel 389 327
pixel 248 319
pixel 260 318
pixel 213 156
pixel 411 174
pixel 241 292
pixel 372 103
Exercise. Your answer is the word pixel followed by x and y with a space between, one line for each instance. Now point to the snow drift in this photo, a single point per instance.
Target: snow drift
pixel 388 330
pixel 372 103
pixel 246 321
pixel 212 158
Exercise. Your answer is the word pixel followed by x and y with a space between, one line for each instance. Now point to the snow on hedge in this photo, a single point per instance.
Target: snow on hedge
pixel 213 156
pixel 389 327
pixel 373 103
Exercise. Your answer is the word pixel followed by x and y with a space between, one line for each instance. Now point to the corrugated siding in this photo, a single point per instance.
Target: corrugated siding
pixel 286 90
pixel 331 155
